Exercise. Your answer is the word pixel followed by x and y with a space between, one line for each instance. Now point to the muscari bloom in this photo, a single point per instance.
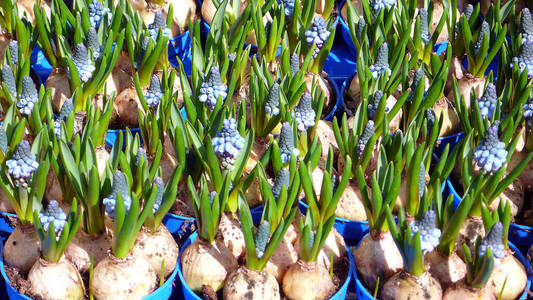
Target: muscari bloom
pixel 318 34
pixel 494 240
pixel 295 64
pixel 526 26
pixel 374 104
pixel 97 12
pixel 53 214
pixel 378 5
pixel 487 102
pixel 288 6
pixel 485 32
pixel 80 57
pixel 8 78
pixel 490 154
pixel 120 185
pixel 144 46
pixel 381 64
pixel 282 179
pixel 3 140
pixel 429 233
pixel 418 78
pixel 23 164
pixel 261 238
pixel 160 192
pixel 304 113
pixel 66 109
pixel 28 97
pixel 228 143
pixel 424 27
pixel 525 58
pixel 272 101
pixel 14 52
pixel 159 23
pixel 528 109
pixel 94 44
pixel 212 88
pixel 155 92
pixel 363 139
pixel 286 143
pixel 360 28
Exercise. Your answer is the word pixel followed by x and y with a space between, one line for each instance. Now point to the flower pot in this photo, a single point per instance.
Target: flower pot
pixel 181 47
pixel 338 108
pixel 452 140
pixel 112 135
pixel 363 293
pixel 189 294
pixel 180 227
pixel 40 66
pixel 520 235
pixel 163 292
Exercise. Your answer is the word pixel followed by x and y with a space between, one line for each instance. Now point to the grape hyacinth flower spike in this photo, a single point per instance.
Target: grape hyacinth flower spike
pixel 8 78
pixel 155 92
pixel 282 179
pixel 526 26
pixel 272 101
pixel 286 143
pixel 528 109
pixel 381 65
pixel 97 12
pixel 120 185
pixel 429 233
pixel 487 102
pixel 228 143
pixel 485 31
pixel 3 140
pixel 378 5
pixel 367 134
pixel 158 181
pixel 94 44
pixel 424 27
pixel 212 88
pixel 288 6
pixel 374 104
pixel 490 154
pixel 525 58
pixel 419 76
pixel 494 240
pixel 53 214
pixel 66 109
pixel 295 64
pixel 80 57
pixel 23 164
pixel 304 113
pixel 28 97
pixel 159 23
pixel 14 52
pixel 318 34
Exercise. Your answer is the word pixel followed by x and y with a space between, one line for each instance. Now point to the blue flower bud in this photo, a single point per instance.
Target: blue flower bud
pixel 97 12
pixel 424 27
pixel 139 156
pixel 155 92
pixel 286 143
pixel 381 64
pixel 318 34
pixel 159 24
pixel 304 113
pixel 272 101
pixel 526 26
pixel 490 154
pixel 282 180
pixel 3 140
pixel 28 97
pixel 374 104
pixel 363 139
pixel 80 58
pixel 160 192
pixel 484 33
pixel 14 52
pixel 23 164
pixel 494 240
pixel 525 59
pixel 120 185
pixel 431 118
pixel 212 88
pixel 360 28
pixel 94 44
pixel 378 5
pixel 418 79
pixel 288 6
pixel 8 78
pixel 228 143
pixel 66 110
pixel 528 109
pixel 487 103
pixel 261 238
pixel 295 64
pixel 53 214
pixel 429 233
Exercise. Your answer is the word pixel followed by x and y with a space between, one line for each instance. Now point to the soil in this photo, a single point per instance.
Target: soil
pixel 117 124
pixel 182 209
pixel 19 281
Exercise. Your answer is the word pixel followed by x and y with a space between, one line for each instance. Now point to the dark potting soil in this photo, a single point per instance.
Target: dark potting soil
pixel 208 293
pixel 332 97
pixel 525 216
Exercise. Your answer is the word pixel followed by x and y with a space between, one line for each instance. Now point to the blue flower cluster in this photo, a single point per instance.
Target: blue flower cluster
pixel 94 44
pixel 418 78
pixel 487 102
pixel 228 143
pixel 66 109
pixel 8 78
pixel 288 6
pixel 144 46
pixel 485 31
pixel 23 164
pixel 304 113
pixel 282 179
pixel 212 88
pixel 140 155
pixel 159 23
pixel 424 27
pixel 363 139
pixel 286 143
pixel 97 12
pixel 378 5
pixel 3 140
pixel 318 34
pixel 155 92
pixel 528 109
pixel 490 154
pixel 526 26
pixel 295 64
pixel 525 58
pixel 28 97
pixel 14 52
pixel 160 192
pixel 261 238
pixel 381 64
pixel 429 233
pixel 272 101
pixel 53 214
pixel 494 240
pixel 80 57
pixel 360 28
pixel 120 185
pixel 374 104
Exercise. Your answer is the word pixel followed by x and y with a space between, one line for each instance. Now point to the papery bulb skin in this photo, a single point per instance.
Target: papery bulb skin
pixel 251 284
pixel 404 286
pixel 283 258
pixel 22 248
pixel 464 292
pixel 212 88
pixel 307 280
pixel 56 281
pixel 508 277
pixel 28 97
pixel 156 247
pixel 230 235
pixel 203 263
pixel 83 247
pixel 491 154
pixel 447 270
pixel 80 58
pixel 304 113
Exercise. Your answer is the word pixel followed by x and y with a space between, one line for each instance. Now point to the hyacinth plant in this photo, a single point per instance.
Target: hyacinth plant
pixel 268 36
pixel 87 72
pixel 479 266
pixel 15 67
pixel 56 229
pixel 15 29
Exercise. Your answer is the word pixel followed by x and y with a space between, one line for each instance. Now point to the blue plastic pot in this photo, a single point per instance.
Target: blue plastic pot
pixel 112 136
pixel 452 140
pixel 189 294
pixel 338 109
pixel 493 66
pixel 40 66
pixel 181 47
pixel 351 231
pixel 180 227
pixel 519 235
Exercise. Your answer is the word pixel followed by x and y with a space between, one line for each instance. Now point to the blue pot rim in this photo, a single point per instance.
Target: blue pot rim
pixel 339 102
pixel 339 295
pixel 361 289
pixel 452 136
pixel 157 294
pixel 337 219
